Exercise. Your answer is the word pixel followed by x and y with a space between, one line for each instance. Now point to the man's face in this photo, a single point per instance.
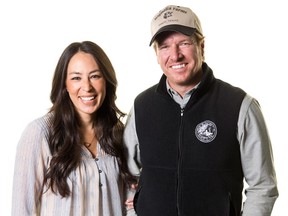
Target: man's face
pixel 178 57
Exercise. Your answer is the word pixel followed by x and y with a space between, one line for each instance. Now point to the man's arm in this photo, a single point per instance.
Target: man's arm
pixel 257 160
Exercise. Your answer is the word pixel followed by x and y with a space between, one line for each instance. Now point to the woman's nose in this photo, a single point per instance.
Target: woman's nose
pixel 86 85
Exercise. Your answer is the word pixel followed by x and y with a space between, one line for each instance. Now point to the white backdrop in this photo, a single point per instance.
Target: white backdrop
pixel 246 45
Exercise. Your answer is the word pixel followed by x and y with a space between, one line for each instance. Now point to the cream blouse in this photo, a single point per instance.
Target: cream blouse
pixel 95 185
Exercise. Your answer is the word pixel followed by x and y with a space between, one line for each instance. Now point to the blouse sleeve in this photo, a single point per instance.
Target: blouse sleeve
pixel 30 165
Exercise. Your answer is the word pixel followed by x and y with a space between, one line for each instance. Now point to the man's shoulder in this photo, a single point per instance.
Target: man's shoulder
pixel 147 92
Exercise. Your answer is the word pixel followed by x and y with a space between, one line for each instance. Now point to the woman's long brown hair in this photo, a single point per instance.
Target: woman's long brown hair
pixel 64 136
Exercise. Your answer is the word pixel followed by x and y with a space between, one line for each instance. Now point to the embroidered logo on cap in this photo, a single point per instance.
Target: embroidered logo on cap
pixel 206 131
pixel 167 14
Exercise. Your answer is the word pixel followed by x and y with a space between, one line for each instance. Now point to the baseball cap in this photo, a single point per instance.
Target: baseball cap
pixel 175 18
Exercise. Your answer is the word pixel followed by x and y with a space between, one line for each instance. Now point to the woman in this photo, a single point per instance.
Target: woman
pixel 71 161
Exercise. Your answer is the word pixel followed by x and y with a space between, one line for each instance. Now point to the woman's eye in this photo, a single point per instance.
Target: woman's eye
pixel 95 76
pixel 75 78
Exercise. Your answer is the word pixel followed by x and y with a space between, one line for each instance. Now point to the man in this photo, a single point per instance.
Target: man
pixel 193 139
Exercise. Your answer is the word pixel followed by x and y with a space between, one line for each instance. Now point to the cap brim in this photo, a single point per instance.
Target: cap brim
pixel 178 28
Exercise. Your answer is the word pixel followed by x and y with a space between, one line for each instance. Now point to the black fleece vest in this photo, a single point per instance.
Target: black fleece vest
pixel 190 158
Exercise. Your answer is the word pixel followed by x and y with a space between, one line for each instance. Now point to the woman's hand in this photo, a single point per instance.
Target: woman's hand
pixel 129 201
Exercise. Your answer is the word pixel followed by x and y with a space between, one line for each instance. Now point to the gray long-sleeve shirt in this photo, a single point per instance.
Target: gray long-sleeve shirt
pixel 256 155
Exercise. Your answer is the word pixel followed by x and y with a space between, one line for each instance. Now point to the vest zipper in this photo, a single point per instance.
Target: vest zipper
pixel 179 170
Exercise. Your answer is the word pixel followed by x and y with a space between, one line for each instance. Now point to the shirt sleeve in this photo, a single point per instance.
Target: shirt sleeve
pixel 133 153
pixel 132 144
pixel 28 171
pixel 257 160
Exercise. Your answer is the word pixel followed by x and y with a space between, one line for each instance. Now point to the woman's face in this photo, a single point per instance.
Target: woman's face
pixel 85 84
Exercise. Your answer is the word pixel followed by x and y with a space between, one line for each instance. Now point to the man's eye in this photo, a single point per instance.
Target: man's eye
pixel 163 47
pixel 185 44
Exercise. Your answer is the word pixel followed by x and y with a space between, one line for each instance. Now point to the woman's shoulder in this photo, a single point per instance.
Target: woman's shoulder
pixel 40 124
pixel 34 138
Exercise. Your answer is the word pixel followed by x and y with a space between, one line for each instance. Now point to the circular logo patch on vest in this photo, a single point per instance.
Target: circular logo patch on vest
pixel 206 131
